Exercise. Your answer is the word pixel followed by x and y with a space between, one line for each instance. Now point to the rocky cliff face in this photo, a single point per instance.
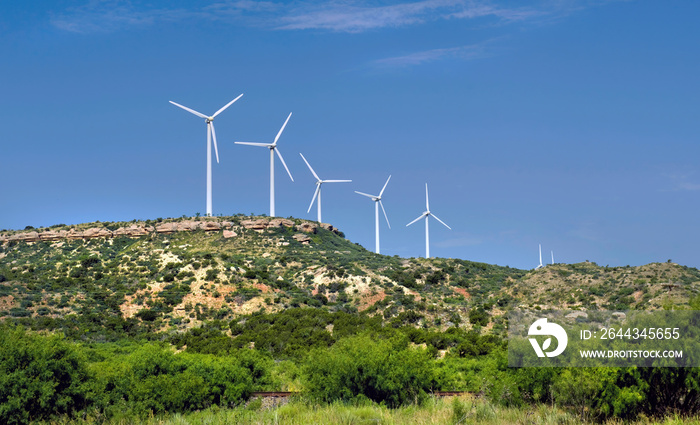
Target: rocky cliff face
pixel 167 227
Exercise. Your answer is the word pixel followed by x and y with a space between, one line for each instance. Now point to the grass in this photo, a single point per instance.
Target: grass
pixel 455 411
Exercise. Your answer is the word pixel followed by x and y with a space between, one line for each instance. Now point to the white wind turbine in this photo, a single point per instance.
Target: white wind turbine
pixel 426 214
pixel 319 182
pixel 211 134
pixel 273 148
pixel 377 203
pixel 541 265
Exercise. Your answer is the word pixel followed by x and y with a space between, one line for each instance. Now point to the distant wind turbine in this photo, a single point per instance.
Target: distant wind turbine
pixel 541 265
pixel 377 203
pixel 211 134
pixel 552 256
pixel 273 148
pixel 426 214
pixel 319 182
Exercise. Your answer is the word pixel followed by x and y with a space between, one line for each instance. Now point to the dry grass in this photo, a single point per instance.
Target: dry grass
pixel 460 411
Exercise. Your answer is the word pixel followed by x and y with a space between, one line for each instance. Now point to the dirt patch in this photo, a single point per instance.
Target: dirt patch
pixel 367 300
pixel 7 302
pixel 462 292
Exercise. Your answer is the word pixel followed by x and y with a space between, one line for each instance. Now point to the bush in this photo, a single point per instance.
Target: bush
pixel 40 377
pixel 155 380
pixel 362 367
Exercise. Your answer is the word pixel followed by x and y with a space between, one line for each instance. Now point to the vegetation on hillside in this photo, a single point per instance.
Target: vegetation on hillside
pixel 166 323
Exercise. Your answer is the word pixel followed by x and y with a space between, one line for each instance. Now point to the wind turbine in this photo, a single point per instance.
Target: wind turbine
pixel 377 203
pixel 552 256
pixel 319 182
pixel 541 265
pixel 273 148
pixel 426 214
pixel 211 134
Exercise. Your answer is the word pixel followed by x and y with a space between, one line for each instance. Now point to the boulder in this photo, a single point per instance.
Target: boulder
pixel 133 231
pixel 29 237
pixel 74 234
pixel 209 226
pixel 254 224
pixel 307 227
pixel 97 232
pixel 304 239
pixel 281 222
pixel 167 228
pixel 53 236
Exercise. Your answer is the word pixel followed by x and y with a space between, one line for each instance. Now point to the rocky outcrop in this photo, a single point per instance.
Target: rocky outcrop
pixel 96 233
pixel 307 227
pixel 53 236
pixel 133 231
pixel 255 224
pixel 304 239
pixel 189 226
pixel 263 223
pixel 136 230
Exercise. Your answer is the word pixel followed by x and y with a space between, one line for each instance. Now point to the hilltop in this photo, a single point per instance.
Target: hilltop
pixel 170 275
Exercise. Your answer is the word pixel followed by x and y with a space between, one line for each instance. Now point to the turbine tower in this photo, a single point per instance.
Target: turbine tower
pixel 273 148
pixel 319 182
pixel 211 134
pixel 427 214
pixel 377 203
pixel 541 265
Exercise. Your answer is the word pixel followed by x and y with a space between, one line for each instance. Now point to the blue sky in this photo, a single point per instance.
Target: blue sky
pixel 570 123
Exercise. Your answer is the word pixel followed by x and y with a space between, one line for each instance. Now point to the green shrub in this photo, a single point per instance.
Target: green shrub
pixel 155 380
pixel 40 377
pixel 384 371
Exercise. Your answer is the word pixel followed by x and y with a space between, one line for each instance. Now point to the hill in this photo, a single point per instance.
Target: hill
pixel 98 279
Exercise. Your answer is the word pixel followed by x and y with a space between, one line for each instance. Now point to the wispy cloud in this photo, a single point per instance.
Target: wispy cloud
pixel 351 16
pixel 683 181
pixel 470 52
pixel 112 15
pixel 358 16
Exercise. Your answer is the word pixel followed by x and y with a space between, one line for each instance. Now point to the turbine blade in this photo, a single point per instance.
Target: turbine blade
pixel 264 145
pixel 419 217
pixel 282 129
pixel 384 211
pixel 213 134
pixel 283 163
pixel 318 187
pixel 312 170
pixel 427 205
pixel 227 105
pixel 365 194
pixel 336 181
pixel 199 114
pixel 387 182
pixel 443 223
